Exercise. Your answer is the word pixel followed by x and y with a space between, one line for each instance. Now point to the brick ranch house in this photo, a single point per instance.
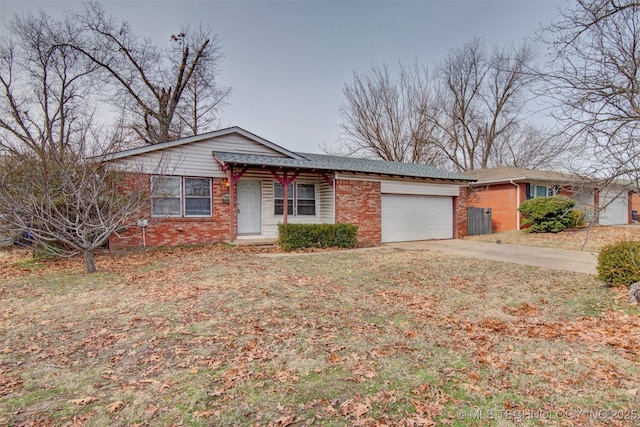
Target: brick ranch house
pixel 504 188
pixel 231 184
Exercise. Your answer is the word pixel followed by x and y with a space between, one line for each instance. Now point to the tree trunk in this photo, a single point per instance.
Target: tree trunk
pixel 89 261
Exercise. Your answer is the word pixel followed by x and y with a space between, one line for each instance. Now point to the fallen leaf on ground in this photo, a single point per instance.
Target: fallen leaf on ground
pixel 83 401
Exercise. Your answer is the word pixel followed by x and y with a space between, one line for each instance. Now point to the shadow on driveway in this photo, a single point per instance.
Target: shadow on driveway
pixel 558 259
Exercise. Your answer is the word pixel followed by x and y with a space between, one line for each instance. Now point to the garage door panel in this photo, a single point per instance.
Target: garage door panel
pixel 616 211
pixel 407 218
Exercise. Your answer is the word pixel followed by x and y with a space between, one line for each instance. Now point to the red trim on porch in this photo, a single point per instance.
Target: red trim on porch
pixel 284 181
pixel 329 180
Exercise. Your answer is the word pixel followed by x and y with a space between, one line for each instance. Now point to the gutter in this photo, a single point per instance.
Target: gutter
pixel 517 203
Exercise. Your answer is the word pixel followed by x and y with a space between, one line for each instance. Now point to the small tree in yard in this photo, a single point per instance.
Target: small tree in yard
pixel 69 204
pixel 547 214
pixel 49 185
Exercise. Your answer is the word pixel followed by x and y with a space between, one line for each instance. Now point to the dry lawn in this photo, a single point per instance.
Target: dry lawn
pixel 573 239
pixel 221 336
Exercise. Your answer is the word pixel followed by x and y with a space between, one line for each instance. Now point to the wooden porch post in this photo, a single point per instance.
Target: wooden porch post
pixel 284 181
pixel 285 199
pixel 233 207
pixel 233 200
pixel 232 179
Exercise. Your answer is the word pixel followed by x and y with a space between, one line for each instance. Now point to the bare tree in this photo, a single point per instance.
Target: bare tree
pixel 68 202
pixel 386 118
pixel 482 106
pixel 202 99
pixel 68 205
pixel 45 102
pixel 593 78
pixel 532 147
pixel 470 113
pixel 151 81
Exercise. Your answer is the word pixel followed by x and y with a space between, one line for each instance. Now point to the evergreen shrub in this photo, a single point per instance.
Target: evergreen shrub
pixel 300 236
pixel 619 263
pixel 547 214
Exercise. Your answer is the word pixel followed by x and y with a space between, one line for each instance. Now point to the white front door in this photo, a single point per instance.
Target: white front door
pixel 249 207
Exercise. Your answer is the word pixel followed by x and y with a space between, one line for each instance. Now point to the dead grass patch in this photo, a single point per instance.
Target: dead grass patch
pixel 218 336
pixel 572 239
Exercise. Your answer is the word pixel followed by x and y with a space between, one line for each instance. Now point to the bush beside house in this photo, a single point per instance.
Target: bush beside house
pixel 548 214
pixel 300 236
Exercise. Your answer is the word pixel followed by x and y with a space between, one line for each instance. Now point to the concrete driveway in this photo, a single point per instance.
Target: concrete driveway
pixel 558 259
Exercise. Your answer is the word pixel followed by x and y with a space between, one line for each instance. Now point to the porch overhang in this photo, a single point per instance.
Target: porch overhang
pixel 269 163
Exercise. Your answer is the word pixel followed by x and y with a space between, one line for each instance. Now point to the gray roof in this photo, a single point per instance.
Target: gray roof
pixel 509 173
pixel 324 162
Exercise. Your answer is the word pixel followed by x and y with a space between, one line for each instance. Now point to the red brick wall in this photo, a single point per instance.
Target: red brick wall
pixel 359 203
pixel 503 201
pixel 566 191
pixel 178 231
pixel 460 205
pixel 634 205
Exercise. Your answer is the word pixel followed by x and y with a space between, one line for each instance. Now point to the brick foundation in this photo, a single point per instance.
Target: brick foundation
pixel 359 203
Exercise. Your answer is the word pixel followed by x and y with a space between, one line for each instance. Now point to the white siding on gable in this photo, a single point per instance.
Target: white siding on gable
pixel 180 161
pixel 236 143
pixel 194 159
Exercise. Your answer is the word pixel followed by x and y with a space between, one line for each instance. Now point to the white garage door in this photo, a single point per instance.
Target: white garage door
pixel 408 217
pixel 616 212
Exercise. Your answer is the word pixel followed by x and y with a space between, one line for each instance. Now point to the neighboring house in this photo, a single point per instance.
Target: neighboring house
pixel 230 184
pixel 504 188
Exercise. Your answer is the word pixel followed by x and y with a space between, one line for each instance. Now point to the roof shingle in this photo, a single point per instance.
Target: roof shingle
pixel 509 173
pixel 326 162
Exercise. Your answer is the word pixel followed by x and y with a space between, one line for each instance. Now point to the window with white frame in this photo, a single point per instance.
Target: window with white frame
pixel 197 197
pixel 542 191
pixel 278 199
pixel 174 196
pixel 305 199
pixel 301 199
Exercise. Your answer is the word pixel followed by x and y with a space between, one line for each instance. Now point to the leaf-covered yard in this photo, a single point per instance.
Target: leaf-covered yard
pixel 593 238
pixel 222 336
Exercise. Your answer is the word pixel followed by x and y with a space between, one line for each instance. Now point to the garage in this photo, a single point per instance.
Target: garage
pixel 616 208
pixel 416 212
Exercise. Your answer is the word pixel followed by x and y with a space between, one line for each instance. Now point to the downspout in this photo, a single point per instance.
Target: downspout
pixel 517 204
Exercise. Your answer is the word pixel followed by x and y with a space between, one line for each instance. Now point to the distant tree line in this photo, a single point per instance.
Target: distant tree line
pixel 474 109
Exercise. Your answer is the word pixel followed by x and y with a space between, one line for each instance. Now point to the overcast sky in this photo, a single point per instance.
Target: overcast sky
pixel 288 61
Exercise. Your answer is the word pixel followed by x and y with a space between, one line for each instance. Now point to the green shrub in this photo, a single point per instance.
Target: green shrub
pixel 619 263
pixel 299 236
pixel 547 214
